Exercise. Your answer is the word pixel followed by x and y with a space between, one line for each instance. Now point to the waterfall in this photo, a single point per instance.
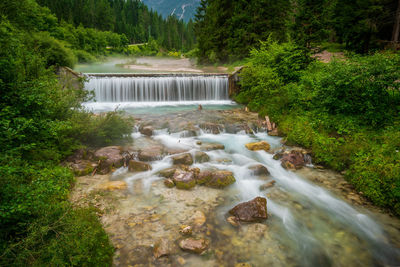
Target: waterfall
pixel 161 88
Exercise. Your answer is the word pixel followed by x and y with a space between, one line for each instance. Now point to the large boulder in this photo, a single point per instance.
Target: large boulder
pixel 183 159
pixel 138 166
pixel 194 245
pixel 201 157
pixel 251 211
pixel 293 160
pixel 216 179
pixel 151 153
pixel 146 130
pixel 259 170
pixel 258 146
pixel 184 180
pixel 109 157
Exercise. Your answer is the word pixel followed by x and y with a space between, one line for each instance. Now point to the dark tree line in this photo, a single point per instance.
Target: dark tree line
pixel 129 17
pixel 227 29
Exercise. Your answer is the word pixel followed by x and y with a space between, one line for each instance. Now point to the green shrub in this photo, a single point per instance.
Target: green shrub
pixel 101 130
pixel 84 57
pixel 52 50
pixel 63 236
pixel 346 111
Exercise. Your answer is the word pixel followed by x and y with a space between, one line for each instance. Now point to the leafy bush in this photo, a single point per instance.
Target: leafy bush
pixel 84 57
pixel 264 77
pixel 346 111
pixel 41 122
pixel 52 50
pixel 362 87
pixel 101 130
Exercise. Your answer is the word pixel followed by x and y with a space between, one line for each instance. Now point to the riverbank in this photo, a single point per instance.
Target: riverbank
pixel 312 207
pixel 345 111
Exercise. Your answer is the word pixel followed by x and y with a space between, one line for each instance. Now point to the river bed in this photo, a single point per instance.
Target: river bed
pixel 315 218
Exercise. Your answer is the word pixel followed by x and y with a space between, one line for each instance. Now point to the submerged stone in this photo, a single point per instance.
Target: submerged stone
pixel 162 248
pixel 259 170
pixel 212 146
pixel 113 185
pixel 201 157
pixel 194 245
pixel 267 185
pixel 258 146
pixel 252 211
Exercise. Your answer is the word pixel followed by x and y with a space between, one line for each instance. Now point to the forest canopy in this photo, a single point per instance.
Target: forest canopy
pixel 227 30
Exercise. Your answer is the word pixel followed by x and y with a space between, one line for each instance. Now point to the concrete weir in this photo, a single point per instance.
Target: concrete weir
pixel 158 87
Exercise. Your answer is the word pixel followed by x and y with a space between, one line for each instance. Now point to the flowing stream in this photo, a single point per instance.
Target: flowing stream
pixel 308 224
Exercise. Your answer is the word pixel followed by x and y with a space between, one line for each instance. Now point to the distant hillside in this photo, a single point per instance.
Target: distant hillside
pixel 183 9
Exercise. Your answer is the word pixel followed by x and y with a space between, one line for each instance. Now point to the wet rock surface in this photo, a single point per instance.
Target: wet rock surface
pixel 146 130
pixel 258 146
pixel 184 159
pixel 251 211
pixel 201 157
pixel 211 146
pixel 259 170
pixel 184 179
pixel 194 245
pixel 109 158
pixel 293 160
pixel 137 166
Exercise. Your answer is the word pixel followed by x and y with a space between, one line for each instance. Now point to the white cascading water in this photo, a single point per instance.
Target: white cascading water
pixel 171 88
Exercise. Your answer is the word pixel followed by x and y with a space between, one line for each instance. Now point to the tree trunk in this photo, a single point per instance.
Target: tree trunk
pixel 396 27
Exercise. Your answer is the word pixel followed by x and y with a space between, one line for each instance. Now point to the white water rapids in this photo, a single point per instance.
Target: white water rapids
pixel 329 215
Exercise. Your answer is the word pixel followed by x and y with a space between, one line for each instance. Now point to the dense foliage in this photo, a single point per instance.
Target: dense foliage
pixel 346 111
pixel 42 122
pixel 227 30
pixel 131 18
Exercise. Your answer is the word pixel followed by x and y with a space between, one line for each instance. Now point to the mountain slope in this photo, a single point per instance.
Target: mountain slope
pixel 183 9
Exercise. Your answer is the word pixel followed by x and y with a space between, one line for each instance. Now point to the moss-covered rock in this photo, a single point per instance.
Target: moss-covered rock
pixel 82 167
pixel 184 180
pixel 216 179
